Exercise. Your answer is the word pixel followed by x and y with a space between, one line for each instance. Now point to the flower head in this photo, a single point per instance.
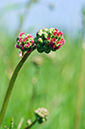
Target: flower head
pixel 41 115
pixel 25 42
pixel 48 40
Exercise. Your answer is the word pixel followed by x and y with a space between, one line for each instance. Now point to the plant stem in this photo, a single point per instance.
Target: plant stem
pixel 11 84
pixel 31 124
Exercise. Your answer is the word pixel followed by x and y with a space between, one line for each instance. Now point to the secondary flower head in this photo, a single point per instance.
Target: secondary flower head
pixel 25 42
pixel 41 115
pixel 48 40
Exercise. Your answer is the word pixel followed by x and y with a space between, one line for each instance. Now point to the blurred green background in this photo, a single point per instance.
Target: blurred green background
pixel 54 81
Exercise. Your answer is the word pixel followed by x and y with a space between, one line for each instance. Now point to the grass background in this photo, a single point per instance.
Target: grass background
pixel 55 84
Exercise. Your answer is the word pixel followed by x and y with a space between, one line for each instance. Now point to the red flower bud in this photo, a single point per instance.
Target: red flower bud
pixel 23 40
pixel 19 40
pixel 58 42
pixel 26 38
pixel 21 34
pixel 58 47
pixel 30 36
pixel 32 41
pixel 16 46
pixel 48 38
pixel 53 40
pixel 26 45
pixel 22 48
pixel 60 33
pixel 56 30
pixel 55 33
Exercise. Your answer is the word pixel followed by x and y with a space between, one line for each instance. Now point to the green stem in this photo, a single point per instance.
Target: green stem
pixel 11 84
pixel 31 124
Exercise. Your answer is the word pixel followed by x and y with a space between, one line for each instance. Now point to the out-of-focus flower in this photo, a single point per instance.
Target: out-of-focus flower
pixel 41 115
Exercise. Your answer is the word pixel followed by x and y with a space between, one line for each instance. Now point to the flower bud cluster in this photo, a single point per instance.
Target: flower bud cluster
pixel 49 39
pixel 25 42
pixel 41 115
pixel 46 40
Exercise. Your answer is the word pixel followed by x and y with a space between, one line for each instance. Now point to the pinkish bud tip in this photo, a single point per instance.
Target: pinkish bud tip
pixel 56 30
pixel 23 40
pixel 19 40
pixel 21 45
pixel 58 47
pixel 58 43
pixel 21 34
pixel 55 33
pixel 48 38
pixel 30 36
pixel 26 38
pixel 16 46
pixel 53 40
pixel 26 45
pixel 22 48
pixel 60 33
pixel 32 41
